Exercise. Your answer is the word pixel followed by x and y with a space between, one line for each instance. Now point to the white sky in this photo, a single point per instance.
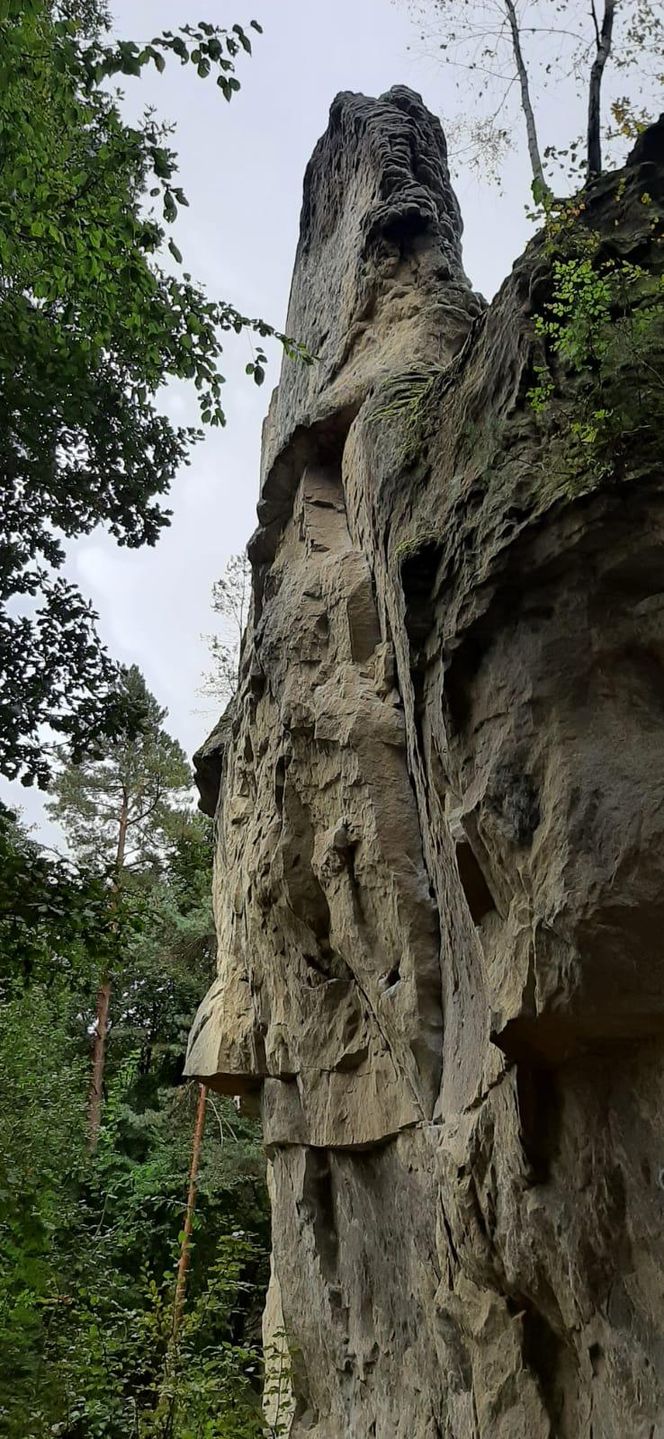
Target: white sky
pixel 241 166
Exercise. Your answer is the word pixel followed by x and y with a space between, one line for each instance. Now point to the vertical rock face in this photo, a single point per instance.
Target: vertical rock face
pixel 439 875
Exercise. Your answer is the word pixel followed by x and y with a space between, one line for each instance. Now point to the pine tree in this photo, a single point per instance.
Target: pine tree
pixel 116 812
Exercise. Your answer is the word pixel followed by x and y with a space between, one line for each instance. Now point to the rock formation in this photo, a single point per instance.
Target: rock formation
pixel 439 800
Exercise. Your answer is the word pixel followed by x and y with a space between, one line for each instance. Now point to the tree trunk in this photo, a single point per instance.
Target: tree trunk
pixel 185 1248
pixel 603 43
pixel 98 1063
pixel 165 1412
pixel 96 1093
pixel 526 103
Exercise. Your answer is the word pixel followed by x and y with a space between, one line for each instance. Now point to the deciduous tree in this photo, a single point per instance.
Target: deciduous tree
pixel 89 1251
pixel 503 48
pixel 230 600
pixel 95 317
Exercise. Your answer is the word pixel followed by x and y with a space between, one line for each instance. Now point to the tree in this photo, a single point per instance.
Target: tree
pixel 185 1248
pixel 168 1396
pixel 603 37
pixel 89 1253
pixel 230 600
pixel 486 40
pixel 95 316
pixel 526 102
pixel 115 812
pixel 47 907
pixel 118 810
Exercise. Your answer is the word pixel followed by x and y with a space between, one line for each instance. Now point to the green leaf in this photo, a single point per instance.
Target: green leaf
pixel 161 163
pixel 93 323
pixel 243 38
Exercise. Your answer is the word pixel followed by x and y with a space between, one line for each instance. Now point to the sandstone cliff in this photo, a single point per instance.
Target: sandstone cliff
pixel 439 803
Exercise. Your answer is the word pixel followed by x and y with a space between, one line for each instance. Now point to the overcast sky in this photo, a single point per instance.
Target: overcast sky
pixel 241 166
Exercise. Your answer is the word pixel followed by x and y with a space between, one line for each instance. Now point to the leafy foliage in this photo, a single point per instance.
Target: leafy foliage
pixel 230 600
pixel 48 907
pixel 507 53
pixel 89 1242
pixel 603 338
pixel 92 324
pixel 88 1248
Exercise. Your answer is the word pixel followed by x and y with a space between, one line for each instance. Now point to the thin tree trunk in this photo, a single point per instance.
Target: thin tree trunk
pixel 96 1093
pixel 526 103
pixel 603 39
pixel 98 1063
pixel 185 1248
pixel 165 1412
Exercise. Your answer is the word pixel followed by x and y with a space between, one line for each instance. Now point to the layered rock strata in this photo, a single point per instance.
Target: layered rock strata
pixel 439 802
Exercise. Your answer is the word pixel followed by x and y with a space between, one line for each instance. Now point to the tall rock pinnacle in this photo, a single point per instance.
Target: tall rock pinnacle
pixel 378 282
pixel 439 880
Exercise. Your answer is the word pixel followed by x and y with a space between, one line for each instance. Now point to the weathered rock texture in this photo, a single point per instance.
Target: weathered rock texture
pixel 440 826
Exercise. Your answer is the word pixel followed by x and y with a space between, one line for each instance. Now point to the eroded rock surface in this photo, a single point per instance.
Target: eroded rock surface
pixel 440 856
